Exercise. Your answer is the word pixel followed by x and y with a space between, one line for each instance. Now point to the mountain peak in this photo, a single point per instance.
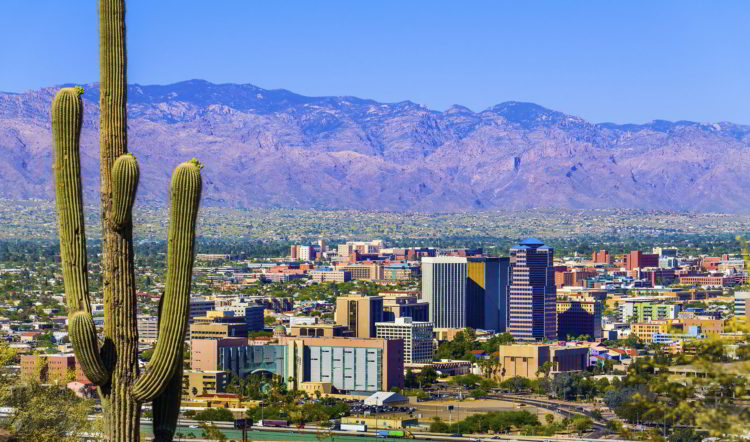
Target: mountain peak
pixel 275 148
pixel 527 114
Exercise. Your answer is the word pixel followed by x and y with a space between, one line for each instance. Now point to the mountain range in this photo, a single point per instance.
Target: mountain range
pixel 275 148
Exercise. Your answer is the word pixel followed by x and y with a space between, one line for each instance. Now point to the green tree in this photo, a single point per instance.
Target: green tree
pixel 549 418
pixel 582 424
pixel 212 432
pixel 545 369
pixel 45 413
pixel 410 379
pixel 516 383
pixel 427 376
pixel 215 415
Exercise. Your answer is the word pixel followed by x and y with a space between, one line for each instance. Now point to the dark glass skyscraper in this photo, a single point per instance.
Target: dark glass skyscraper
pixel 531 292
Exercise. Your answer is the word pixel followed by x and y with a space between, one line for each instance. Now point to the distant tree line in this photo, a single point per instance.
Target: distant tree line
pixel 30 251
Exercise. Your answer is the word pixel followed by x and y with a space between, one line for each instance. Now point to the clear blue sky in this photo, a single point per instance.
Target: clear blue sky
pixel 621 61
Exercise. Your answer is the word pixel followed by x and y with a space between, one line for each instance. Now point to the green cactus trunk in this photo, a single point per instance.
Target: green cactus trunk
pixel 113 365
pixel 120 352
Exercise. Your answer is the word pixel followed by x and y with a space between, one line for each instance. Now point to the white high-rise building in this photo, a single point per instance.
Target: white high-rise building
pixel 417 337
pixel 741 301
pixel 307 253
pixel 444 288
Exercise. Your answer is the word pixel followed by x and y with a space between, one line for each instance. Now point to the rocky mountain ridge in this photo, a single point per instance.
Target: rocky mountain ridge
pixel 275 148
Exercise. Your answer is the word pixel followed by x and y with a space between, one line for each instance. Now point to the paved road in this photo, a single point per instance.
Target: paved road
pixel 570 410
pixel 293 434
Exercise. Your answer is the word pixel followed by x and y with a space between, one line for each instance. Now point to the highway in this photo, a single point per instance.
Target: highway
pixel 315 435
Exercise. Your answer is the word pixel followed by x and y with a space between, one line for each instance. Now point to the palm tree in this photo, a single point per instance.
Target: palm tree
pixel 545 369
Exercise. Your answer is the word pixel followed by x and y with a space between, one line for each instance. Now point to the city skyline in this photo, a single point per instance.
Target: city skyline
pixel 335 266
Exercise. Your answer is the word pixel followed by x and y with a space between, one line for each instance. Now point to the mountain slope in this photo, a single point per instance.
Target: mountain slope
pixel 274 148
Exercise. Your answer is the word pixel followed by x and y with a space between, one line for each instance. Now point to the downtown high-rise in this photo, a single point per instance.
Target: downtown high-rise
pixel 466 292
pixel 531 292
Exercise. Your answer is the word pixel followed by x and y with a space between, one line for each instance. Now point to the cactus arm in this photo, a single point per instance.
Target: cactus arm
pixel 185 194
pixel 83 337
pixel 166 406
pixel 67 111
pixel 125 176
pixel 67 117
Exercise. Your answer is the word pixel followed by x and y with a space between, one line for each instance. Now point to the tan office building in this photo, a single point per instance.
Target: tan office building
pixel 359 313
pixel 320 330
pixel 337 276
pixel 365 272
pixel 218 331
pixel 148 328
pixel 198 382
pixel 525 359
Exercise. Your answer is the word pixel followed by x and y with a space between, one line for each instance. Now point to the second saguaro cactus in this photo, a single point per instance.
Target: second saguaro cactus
pixel 112 363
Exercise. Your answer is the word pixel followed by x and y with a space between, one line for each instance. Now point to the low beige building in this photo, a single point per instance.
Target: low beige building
pixel 525 359
pixel 366 272
pixel 200 382
pixel 311 387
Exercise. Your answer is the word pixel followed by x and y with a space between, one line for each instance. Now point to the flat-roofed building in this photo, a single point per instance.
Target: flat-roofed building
pixel 307 253
pixel 417 337
pixel 330 275
pixel 204 353
pixel 253 314
pixel 239 358
pixel 648 311
pixel 359 313
pixel 602 257
pixel 47 368
pixel 148 328
pixel 349 364
pixel 578 318
pixel 712 280
pixel 405 305
pixel 708 327
pixel 742 304
pixel 218 330
pixel 199 307
pixel 364 247
pixel 645 330
pixel 573 278
pixel 638 260
pixel 365 272
pixel 199 382
pixel 218 324
pixel 532 292
pixel 52 368
pixel 400 272
pixel 525 359
pixel 320 330
pixel 277 304
pixel 466 292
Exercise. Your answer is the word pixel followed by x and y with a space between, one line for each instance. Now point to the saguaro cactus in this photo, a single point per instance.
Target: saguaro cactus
pixel 113 363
